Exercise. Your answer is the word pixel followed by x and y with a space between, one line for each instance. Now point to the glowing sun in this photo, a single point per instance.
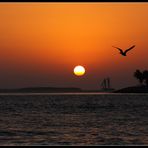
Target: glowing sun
pixel 79 70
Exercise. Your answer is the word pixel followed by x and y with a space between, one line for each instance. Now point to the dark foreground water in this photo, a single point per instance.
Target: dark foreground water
pixel 74 119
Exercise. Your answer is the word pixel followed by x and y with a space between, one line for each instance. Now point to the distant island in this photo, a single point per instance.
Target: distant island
pixel 51 90
pixel 133 89
pixel 41 90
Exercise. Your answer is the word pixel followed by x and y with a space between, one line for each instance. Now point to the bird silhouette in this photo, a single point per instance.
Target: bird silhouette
pixel 123 53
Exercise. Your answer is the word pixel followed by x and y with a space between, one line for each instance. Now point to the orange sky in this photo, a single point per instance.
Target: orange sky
pixel 41 43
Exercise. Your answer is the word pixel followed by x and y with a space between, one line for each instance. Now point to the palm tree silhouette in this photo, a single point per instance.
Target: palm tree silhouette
pixel 139 75
pixel 145 76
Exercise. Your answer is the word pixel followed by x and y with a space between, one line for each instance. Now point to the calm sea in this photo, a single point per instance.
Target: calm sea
pixel 74 119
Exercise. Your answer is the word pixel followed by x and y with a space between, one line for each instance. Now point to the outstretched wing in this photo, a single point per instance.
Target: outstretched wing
pixel 118 48
pixel 129 48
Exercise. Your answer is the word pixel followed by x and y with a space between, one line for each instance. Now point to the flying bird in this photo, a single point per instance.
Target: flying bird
pixel 123 53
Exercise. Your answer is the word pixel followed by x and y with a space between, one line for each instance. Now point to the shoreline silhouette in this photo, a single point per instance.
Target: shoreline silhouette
pixel 41 90
pixel 129 89
pixel 133 89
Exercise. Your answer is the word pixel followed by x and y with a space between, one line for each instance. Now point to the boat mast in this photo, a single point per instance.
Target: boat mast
pixel 103 84
pixel 106 83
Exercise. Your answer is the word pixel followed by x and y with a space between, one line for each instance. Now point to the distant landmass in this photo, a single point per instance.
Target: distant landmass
pixel 41 90
pixel 133 89
pixel 51 90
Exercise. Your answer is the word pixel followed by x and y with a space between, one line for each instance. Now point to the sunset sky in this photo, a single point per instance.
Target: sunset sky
pixel 41 43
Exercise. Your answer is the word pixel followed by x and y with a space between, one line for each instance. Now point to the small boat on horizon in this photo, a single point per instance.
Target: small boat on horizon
pixel 105 85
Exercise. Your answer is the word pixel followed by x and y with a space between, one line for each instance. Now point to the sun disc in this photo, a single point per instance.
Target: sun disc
pixel 79 70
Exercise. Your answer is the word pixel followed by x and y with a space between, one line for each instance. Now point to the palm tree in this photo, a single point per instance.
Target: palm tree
pixel 139 75
pixel 145 76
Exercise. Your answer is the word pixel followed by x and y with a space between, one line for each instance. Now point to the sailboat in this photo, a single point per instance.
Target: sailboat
pixel 105 85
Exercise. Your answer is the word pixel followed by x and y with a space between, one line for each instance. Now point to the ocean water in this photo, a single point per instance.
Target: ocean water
pixel 73 119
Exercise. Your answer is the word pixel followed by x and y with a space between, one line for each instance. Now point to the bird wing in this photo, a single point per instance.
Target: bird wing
pixel 129 48
pixel 118 48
